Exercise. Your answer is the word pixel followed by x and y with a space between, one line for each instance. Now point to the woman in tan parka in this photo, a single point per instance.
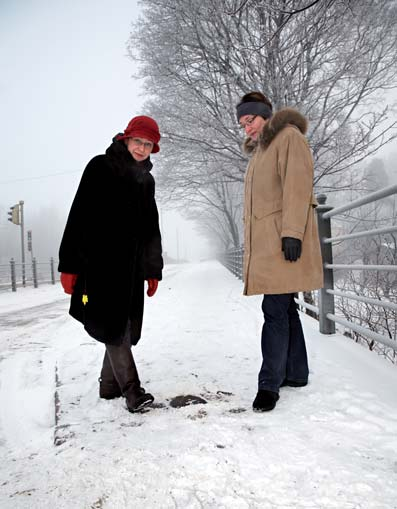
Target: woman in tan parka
pixel 282 250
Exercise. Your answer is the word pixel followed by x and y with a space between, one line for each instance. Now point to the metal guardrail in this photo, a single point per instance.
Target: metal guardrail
pixel 15 275
pixel 233 260
pixel 327 316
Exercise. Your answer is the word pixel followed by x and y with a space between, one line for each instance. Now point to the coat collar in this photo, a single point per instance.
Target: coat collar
pixel 121 158
pixel 281 119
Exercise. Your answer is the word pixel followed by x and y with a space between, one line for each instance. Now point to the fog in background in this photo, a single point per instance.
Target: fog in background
pixel 66 88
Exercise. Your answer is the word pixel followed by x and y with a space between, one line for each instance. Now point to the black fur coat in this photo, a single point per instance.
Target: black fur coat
pixel 112 241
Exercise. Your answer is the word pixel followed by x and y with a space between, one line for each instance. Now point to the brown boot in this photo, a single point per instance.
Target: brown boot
pixel 126 374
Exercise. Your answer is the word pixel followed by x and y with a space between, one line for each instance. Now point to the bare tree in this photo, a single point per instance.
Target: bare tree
pixel 220 213
pixel 333 60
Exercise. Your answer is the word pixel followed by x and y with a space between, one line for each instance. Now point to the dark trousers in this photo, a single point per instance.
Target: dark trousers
pixel 119 365
pixel 283 343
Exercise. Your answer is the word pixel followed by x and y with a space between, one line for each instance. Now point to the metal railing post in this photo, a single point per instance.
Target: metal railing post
pixel 22 243
pixel 326 301
pixel 13 277
pixel 34 272
pixel 52 270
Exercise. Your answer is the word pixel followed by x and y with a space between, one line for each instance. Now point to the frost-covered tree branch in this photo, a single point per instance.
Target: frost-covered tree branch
pixel 333 60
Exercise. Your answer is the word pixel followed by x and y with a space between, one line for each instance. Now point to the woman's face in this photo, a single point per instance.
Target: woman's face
pixel 252 125
pixel 139 148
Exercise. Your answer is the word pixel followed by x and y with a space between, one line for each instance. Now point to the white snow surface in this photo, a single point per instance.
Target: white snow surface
pixel 332 444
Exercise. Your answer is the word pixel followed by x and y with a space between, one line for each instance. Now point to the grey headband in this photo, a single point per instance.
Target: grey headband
pixel 253 108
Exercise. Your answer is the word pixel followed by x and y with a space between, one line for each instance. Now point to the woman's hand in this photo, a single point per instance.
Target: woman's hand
pixel 292 248
pixel 152 286
pixel 68 281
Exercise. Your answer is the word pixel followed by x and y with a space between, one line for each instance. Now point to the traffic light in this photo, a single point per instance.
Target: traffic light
pixel 14 214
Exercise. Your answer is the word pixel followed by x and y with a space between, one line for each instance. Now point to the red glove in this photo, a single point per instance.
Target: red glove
pixel 152 286
pixel 68 281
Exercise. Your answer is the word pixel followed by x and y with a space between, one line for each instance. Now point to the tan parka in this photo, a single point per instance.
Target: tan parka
pixel 279 202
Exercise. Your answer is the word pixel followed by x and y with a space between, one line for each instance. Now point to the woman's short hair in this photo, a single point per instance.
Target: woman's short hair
pixel 255 97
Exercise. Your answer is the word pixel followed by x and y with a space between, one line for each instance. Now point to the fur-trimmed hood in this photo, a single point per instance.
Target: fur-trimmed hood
pixel 281 119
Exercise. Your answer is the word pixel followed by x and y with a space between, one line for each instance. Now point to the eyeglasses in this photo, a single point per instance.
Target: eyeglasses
pixel 147 145
pixel 248 122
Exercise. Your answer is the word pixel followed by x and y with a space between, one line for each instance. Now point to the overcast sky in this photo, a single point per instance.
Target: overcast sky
pixel 66 88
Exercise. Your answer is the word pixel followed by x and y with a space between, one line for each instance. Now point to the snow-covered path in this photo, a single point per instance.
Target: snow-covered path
pixel 332 444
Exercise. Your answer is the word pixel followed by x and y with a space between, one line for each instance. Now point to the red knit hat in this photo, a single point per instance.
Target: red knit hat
pixel 143 127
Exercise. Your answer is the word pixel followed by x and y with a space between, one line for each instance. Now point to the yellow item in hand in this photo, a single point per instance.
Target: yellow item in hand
pixel 85 299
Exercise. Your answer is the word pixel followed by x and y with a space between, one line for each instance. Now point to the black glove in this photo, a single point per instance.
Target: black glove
pixel 292 248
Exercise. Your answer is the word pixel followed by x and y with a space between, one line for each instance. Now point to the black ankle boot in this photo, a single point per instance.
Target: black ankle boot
pixel 109 390
pixel 265 401
pixel 136 398
pixel 108 385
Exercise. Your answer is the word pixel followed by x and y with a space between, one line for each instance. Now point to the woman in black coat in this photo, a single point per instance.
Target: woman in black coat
pixel 110 246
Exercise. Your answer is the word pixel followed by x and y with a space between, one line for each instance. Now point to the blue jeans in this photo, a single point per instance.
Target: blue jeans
pixel 283 343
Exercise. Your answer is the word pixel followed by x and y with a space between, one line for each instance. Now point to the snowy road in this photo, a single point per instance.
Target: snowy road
pixel 330 445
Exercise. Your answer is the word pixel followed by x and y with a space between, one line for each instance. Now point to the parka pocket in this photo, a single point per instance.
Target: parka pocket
pixel 262 210
pixel 266 234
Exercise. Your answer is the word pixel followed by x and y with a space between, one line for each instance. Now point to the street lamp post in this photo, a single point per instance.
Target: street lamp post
pixel 22 243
